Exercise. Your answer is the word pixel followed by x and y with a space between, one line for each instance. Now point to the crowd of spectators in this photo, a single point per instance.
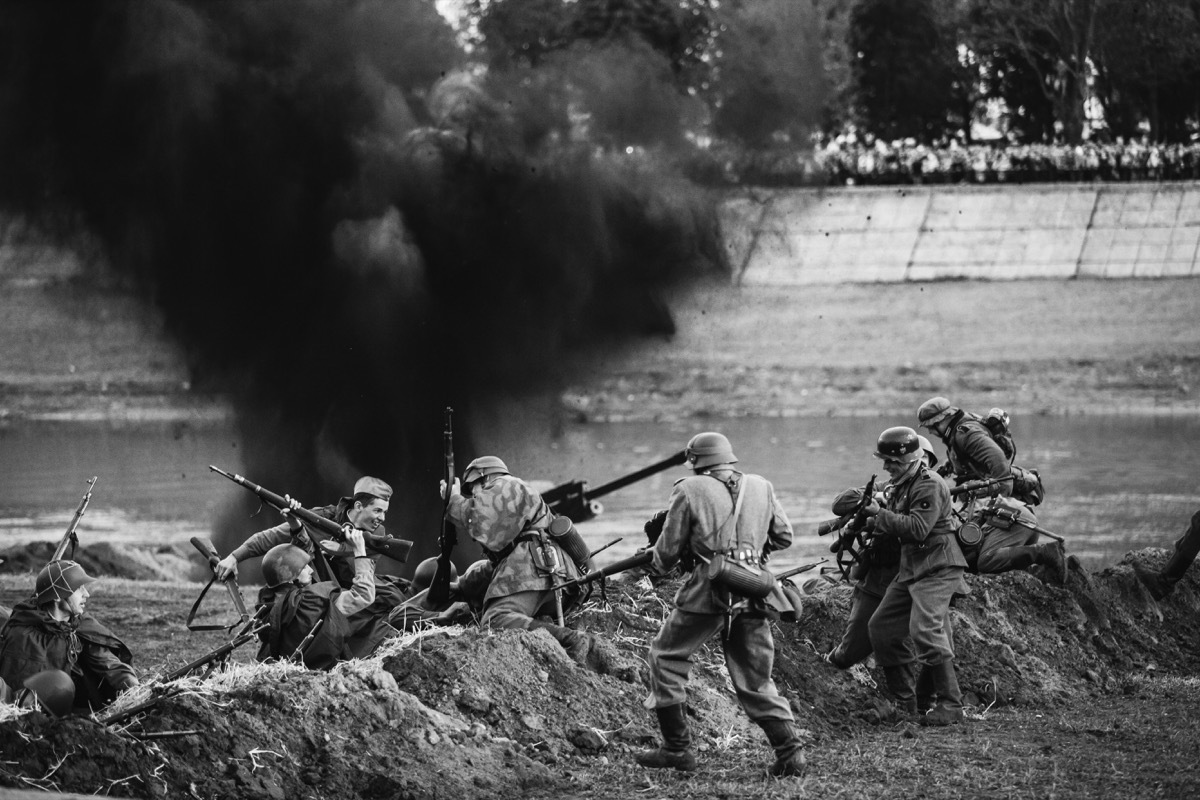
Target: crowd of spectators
pixel 851 160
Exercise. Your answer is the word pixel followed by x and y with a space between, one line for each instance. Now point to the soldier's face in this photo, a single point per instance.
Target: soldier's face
pixel 369 517
pixel 77 602
pixel 897 469
pixel 306 575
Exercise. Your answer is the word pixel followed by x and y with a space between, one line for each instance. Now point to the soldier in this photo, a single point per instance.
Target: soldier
pixel 321 622
pixel 695 530
pixel 872 576
pixel 972 454
pixel 366 509
pixel 1160 584
pixel 511 522
pixel 53 631
pixel 917 603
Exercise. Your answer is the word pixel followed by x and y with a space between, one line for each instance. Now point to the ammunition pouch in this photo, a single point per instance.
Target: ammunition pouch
pixel 566 536
pixel 1005 512
pixel 739 577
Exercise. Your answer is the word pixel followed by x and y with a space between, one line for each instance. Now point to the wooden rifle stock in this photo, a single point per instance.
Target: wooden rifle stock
pixel 624 565
pixel 439 588
pixel 70 536
pixel 386 545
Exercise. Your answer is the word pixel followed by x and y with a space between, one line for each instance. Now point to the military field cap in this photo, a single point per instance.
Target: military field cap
pixel 933 411
pixel 373 486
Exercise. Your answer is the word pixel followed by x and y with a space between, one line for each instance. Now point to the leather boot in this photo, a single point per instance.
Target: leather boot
pixel 576 643
pixel 675 752
pixel 926 691
pixel 789 758
pixel 900 683
pixel 1053 556
pixel 1161 584
pixel 948 710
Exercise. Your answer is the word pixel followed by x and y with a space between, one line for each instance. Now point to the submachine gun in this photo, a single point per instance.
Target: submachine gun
pixel 853 543
pixel 995 512
pixel 383 544
pixel 573 499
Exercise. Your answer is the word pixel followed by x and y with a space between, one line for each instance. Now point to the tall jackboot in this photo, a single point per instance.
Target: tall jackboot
pixel 1054 557
pixel 675 752
pixel 926 691
pixel 1161 584
pixel 948 710
pixel 789 757
pixel 901 684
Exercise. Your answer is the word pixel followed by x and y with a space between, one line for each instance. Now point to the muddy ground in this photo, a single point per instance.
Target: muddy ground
pixel 1086 690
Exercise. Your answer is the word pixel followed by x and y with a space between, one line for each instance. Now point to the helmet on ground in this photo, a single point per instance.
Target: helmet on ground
pixel 709 448
pixel 899 444
pixel 58 580
pixel 283 564
pixel 927 446
pixel 933 411
pixel 54 690
pixel 422 577
pixel 484 466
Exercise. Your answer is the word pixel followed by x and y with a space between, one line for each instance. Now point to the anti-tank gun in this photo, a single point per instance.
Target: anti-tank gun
pixel 575 500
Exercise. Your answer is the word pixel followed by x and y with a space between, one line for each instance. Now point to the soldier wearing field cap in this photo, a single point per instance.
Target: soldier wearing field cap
pixel 52 630
pixel 365 510
pixel 917 512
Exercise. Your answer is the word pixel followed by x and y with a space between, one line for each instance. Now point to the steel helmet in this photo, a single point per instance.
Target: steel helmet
pixel 927 446
pixel 709 448
pixel 484 466
pixel 283 564
pixel 933 411
pixel 58 580
pixel 899 443
pixel 423 575
pixel 54 690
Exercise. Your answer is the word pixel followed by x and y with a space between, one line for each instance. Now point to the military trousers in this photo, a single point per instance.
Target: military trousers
pixel 856 638
pixel 920 609
pixel 518 609
pixel 749 656
pixel 1004 550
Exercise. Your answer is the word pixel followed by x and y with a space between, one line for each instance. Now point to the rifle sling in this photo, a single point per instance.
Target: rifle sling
pixel 196 607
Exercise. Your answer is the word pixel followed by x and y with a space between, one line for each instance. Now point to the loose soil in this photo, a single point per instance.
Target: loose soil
pixel 1088 690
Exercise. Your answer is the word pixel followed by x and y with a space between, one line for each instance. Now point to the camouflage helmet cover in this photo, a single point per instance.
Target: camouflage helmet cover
pixel 484 466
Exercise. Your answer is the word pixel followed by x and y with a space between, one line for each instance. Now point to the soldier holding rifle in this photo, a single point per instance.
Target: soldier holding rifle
pixel 365 510
pixel 513 525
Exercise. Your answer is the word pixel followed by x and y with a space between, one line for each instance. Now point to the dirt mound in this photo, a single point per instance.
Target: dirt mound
pixel 466 713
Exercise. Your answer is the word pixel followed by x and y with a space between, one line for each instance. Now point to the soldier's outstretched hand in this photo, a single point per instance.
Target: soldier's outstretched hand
pixel 226 568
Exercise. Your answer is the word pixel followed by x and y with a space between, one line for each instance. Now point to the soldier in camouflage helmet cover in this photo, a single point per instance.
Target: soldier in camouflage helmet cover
pixel 917 512
pixel 694 530
pixel 510 521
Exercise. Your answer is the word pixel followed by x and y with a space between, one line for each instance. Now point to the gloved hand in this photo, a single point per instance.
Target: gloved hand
pixel 654 526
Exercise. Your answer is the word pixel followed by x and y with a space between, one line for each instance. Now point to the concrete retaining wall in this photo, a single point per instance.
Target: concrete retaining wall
pixel 922 233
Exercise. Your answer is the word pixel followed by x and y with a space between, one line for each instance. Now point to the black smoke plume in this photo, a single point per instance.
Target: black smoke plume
pixel 347 224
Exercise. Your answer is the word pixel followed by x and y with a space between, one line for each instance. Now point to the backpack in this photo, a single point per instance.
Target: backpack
pixel 996 423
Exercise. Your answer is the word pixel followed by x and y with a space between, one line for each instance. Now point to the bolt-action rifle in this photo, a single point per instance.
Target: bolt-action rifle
pixel 573 499
pixel 644 557
pixel 385 544
pixel 209 662
pixel 70 537
pixel 439 587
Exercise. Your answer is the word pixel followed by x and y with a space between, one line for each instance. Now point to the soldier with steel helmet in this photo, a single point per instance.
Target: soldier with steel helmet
pixel 693 531
pixel 513 525
pixel 917 512
pixel 52 630
pixel 318 623
pixel 365 509
pixel 872 574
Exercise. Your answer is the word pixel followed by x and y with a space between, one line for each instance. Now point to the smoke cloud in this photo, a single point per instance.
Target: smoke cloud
pixel 347 224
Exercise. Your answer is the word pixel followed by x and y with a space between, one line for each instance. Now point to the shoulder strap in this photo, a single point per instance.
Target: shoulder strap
pixel 733 517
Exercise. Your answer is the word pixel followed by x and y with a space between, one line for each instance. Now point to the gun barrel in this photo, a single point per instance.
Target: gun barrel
pixel 633 477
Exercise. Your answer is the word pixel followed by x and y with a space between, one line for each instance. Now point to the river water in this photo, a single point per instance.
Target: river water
pixel 1113 484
